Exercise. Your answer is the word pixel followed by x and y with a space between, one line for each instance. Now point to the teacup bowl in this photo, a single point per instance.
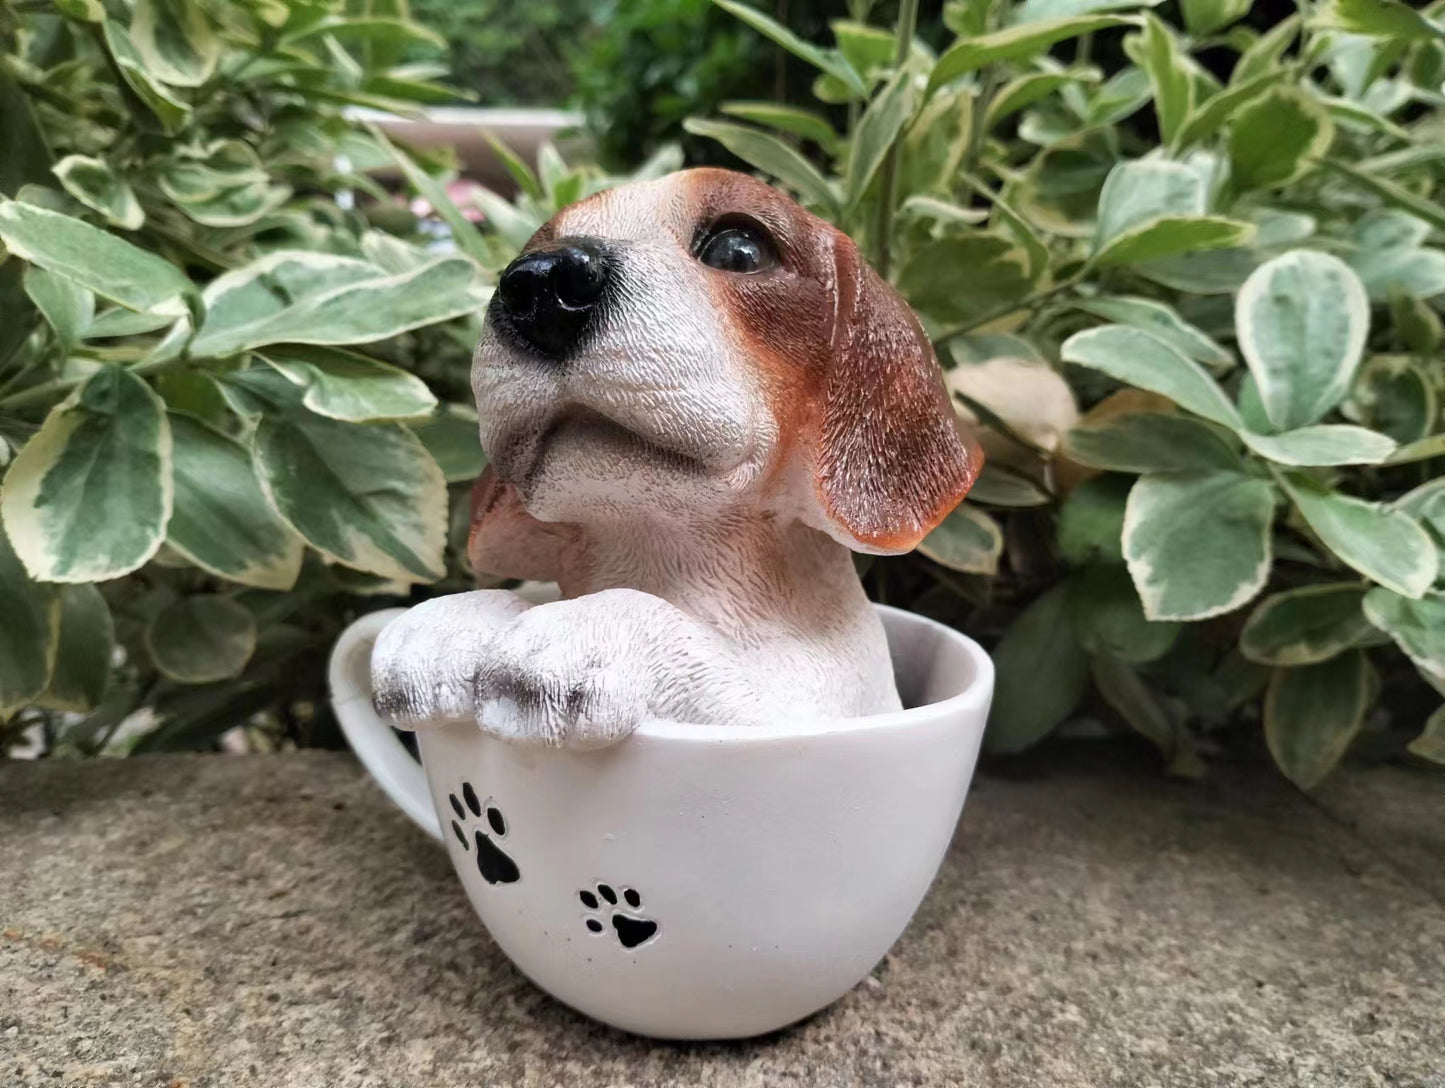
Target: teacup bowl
pixel 698 881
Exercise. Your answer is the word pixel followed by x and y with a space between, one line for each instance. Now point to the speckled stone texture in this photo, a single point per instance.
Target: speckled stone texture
pixel 271 920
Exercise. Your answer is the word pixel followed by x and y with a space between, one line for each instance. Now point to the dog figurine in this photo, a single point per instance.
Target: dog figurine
pixel 696 398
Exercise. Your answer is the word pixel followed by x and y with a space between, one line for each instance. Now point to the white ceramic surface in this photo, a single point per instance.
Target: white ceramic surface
pixel 759 873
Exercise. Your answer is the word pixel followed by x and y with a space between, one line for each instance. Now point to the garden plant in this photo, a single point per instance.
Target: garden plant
pixel 1184 274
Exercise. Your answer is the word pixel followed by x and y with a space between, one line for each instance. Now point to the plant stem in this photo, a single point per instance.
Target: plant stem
pixel 907 22
pixel 1007 308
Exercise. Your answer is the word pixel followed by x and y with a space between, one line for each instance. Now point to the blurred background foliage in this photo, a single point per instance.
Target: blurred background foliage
pixel 1212 514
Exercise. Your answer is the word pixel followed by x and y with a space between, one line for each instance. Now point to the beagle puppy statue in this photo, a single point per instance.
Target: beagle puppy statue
pixel 696 398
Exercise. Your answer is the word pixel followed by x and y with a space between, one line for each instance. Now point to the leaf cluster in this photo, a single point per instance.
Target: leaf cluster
pixel 234 406
pixel 1191 298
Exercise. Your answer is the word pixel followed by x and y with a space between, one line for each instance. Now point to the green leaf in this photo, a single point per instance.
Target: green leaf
pixel 1386 271
pixel 118 321
pixel 1163 322
pixel 967 540
pixel 1039 643
pixel 1418 627
pixel 1125 690
pixel 516 166
pixel 236 207
pixel 1277 137
pixel 66 305
pixel 464 232
pixel 1212 272
pixel 1169 236
pixel 999 485
pixel 97 186
pixel 169 110
pixel 30 633
pixel 1140 192
pixel 511 224
pixel 450 436
pixel 1302 320
pixel 1312 713
pixel 1305 626
pixel 201 639
pixel 1034 11
pixel 1109 618
pixel 1170 71
pixel 174 41
pixel 96 260
pixel 1143 360
pixel 82 656
pixel 1215 112
pixel 348 386
pixel 770 155
pixel 1015 43
pixel 1377 18
pixel 962 278
pixel 877 132
pixel 1091 521
pixel 1005 215
pixel 367 496
pixel 1204 17
pixel 864 47
pixel 401 32
pixel 1121 97
pixel 1024 90
pixel 804 123
pixel 1150 442
pixel 1382 544
pixel 1422 450
pixel 830 62
pixel 919 206
pixel 1430 744
pixel 1322 444
pixel 89 496
pixel 317 298
pixel 1197 543
pixel 1395 194
pixel 222 521
pixel 26 160
pixel 1426 504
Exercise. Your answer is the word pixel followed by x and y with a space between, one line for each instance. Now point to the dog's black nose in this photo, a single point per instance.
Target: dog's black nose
pixel 548 296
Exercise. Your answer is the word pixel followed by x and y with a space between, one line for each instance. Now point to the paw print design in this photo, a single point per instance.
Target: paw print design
pixel 631 928
pixel 493 862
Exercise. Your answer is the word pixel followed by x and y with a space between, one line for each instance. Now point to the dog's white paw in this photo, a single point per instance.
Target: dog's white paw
pixel 424 663
pixel 560 675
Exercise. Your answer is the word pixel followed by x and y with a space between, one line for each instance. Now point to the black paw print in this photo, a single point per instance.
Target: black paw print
pixel 494 865
pixel 632 930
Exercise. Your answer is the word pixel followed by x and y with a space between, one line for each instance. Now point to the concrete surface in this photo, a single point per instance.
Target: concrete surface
pixel 271 920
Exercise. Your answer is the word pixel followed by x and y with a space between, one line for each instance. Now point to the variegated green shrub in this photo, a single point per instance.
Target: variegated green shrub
pixel 1188 280
pixel 234 406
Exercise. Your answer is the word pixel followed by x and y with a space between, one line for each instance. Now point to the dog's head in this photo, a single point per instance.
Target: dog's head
pixel 699 343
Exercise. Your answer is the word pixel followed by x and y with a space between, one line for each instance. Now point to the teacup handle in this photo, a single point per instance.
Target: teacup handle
pixel 375 743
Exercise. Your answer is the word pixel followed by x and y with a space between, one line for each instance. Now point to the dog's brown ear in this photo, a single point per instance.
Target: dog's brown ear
pixel 890 462
pixel 508 542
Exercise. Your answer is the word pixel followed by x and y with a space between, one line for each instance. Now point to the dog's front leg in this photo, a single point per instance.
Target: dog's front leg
pixel 425 663
pixel 586 672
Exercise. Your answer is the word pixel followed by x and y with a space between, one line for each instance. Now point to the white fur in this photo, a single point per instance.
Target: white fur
pixel 691 595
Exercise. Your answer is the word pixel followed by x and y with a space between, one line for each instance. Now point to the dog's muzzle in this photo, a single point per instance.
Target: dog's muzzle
pixel 546 299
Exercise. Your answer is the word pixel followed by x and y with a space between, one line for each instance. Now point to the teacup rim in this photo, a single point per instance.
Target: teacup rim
pixel 965 705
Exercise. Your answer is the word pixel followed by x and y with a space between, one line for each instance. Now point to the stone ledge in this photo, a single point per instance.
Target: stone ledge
pixel 272 921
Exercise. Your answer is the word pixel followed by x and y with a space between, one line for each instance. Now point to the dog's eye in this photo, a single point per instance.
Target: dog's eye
pixel 737 247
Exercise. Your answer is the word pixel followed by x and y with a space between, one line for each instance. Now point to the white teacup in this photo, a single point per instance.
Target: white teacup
pixel 697 881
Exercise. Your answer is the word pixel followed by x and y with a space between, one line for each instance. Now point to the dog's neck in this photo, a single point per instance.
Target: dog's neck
pixel 740 573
